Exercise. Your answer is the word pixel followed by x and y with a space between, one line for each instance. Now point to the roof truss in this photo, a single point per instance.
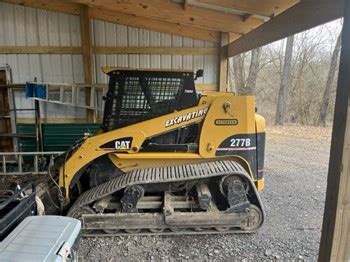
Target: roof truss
pixel 198 19
pixel 302 16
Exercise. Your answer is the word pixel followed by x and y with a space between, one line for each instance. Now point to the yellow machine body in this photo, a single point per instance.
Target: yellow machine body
pixel 222 115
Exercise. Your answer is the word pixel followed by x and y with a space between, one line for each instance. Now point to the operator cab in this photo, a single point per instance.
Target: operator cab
pixel 137 95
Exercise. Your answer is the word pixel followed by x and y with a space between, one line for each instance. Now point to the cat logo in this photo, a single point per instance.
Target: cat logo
pixel 122 144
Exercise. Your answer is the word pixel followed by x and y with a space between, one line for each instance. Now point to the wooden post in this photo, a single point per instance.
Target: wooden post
pixel 223 71
pixel 335 240
pixel 87 58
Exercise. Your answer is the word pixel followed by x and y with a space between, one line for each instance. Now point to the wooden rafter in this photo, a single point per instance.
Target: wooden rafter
pixel 125 19
pixel 300 17
pixel 156 50
pixel 267 8
pixel 175 13
pixel 41 49
pixel 85 50
pixel 52 5
pixel 155 25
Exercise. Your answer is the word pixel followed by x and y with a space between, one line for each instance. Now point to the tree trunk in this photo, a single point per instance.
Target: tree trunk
pixel 327 91
pixel 253 72
pixel 283 92
pixel 238 70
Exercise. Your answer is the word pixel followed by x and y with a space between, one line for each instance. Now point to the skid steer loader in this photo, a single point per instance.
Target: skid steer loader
pixel 167 160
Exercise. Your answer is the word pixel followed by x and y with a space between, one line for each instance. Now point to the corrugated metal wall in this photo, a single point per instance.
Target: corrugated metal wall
pixel 25 26
pixel 108 34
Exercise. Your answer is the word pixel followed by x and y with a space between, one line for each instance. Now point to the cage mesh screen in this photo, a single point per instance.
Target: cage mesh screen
pixel 140 98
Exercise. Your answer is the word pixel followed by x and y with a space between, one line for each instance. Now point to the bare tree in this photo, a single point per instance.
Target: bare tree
pixel 238 72
pixel 250 85
pixel 330 79
pixel 246 86
pixel 283 92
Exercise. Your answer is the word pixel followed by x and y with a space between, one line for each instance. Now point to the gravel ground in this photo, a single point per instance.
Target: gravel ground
pixel 296 171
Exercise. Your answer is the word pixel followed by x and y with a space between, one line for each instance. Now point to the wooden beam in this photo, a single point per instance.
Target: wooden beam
pixel 268 8
pixel 335 239
pixel 85 25
pixel 302 16
pixel 41 50
pixel 206 87
pixel 175 13
pixel 52 5
pixel 156 50
pixel 223 70
pixel 155 25
pixel 126 19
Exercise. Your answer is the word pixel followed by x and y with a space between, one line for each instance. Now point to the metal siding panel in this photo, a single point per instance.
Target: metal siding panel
pixel 176 60
pixel 23 68
pixel 24 25
pixel 46 68
pixel 2 24
pixel 77 60
pixel 165 59
pixel 64 31
pixel 99 33
pixel 56 67
pixel 111 40
pixel 20 40
pixel 78 69
pixel 122 40
pixel 209 44
pixel 198 60
pixel 74 28
pixel 99 40
pixel 53 28
pixel 133 40
pixel 11 60
pixel 19 19
pixel 154 41
pixel 54 110
pixel 67 69
pixel 211 63
pixel 3 59
pixel 31 26
pixel 144 40
pixel 54 40
pixel 22 102
pixel 210 69
pixel 94 73
pixel 187 60
pixel 43 27
pixel 100 61
pixel 9 24
pixel 35 67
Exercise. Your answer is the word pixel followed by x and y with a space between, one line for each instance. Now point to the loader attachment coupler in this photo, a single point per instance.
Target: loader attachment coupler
pixel 134 96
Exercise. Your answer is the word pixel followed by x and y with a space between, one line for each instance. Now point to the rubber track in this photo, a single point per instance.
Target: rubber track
pixel 92 233
pixel 160 175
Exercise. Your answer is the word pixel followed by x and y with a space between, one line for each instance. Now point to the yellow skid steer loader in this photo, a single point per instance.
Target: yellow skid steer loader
pixel 167 160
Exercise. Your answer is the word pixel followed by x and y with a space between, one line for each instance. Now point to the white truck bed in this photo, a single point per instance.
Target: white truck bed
pixel 41 238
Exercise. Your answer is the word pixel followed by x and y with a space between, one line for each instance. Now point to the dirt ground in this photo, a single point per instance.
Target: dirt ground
pixel 296 171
